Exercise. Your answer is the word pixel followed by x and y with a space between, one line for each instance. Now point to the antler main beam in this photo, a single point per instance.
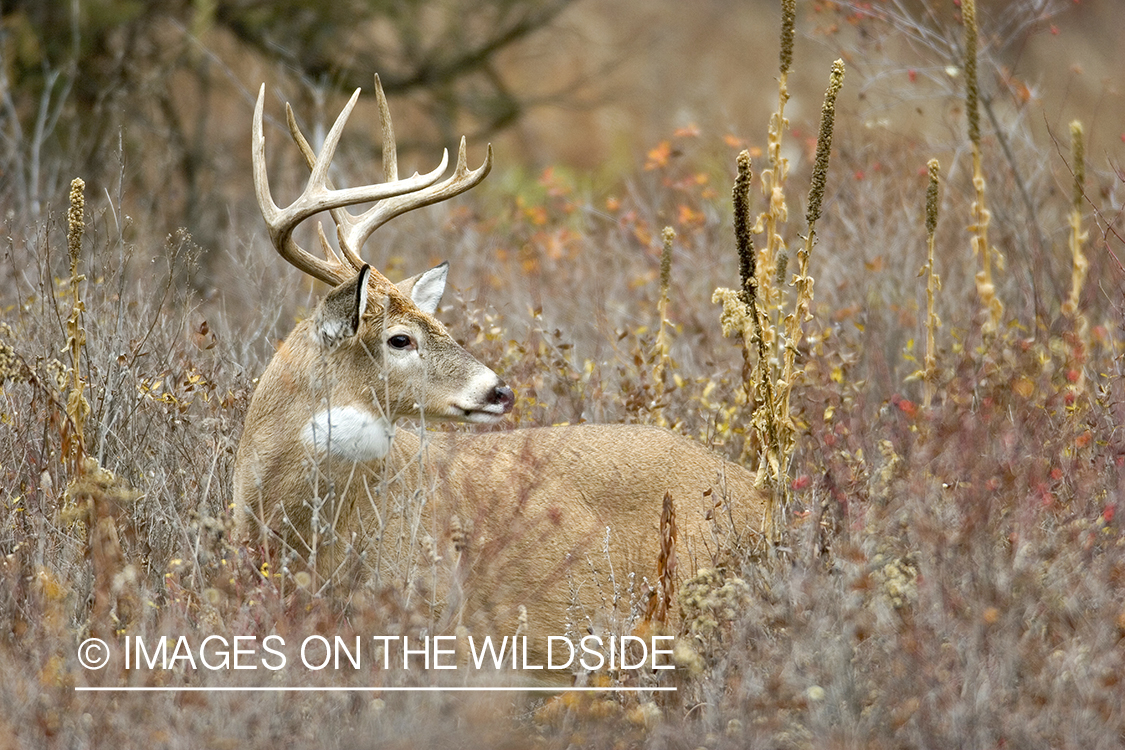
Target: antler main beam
pixel 393 197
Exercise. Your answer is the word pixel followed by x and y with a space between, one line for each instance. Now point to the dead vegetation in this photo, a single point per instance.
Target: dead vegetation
pixel 949 569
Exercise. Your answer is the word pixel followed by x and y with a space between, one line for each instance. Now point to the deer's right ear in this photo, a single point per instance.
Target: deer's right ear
pixel 338 315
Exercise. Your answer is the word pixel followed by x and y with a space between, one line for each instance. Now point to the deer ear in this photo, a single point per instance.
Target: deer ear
pixel 338 315
pixel 426 288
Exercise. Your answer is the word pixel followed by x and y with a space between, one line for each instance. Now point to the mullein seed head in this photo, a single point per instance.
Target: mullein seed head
pixel 788 19
pixel 75 220
pixel 933 169
pixel 972 93
pixel 747 258
pixel 669 236
pixel 824 142
pixel 782 267
pixel 1078 152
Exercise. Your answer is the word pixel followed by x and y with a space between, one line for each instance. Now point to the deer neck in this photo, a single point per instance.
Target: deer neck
pixel 303 400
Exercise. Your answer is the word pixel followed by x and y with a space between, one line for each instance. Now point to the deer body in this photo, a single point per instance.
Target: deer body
pixel 566 520
pixel 548 518
pixel 563 523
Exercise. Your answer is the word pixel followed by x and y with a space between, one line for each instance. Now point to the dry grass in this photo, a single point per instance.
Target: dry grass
pixel 955 569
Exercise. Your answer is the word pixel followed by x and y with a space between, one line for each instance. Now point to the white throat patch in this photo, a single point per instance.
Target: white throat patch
pixel 348 433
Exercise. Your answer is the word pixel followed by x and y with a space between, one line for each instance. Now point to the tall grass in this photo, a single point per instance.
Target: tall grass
pixel 954 563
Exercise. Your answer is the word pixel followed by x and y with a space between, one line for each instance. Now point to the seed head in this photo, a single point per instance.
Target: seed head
pixel 1078 152
pixel 932 196
pixel 788 18
pixel 75 220
pixel 747 259
pixel 972 93
pixel 824 142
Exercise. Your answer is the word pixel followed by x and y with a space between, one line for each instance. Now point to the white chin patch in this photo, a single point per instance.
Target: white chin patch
pixel 348 433
pixel 482 417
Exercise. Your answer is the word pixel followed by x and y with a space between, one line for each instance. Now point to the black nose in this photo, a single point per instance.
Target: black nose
pixel 502 396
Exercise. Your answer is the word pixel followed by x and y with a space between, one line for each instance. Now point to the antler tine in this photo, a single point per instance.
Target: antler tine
pixel 329 252
pixel 319 195
pixel 461 180
pixel 390 150
pixel 280 229
pixel 299 138
pixel 353 231
pixel 339 215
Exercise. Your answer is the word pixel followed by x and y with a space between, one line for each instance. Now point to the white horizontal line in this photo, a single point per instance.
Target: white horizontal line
pixel 391 689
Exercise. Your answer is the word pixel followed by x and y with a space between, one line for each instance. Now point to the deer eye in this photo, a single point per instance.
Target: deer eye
pixel 400 341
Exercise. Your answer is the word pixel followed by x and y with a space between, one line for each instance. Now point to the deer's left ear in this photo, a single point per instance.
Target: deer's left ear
pixel 339 313
pixel 426 288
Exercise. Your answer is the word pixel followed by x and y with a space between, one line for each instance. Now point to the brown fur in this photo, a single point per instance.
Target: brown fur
pixel 566 520
pixel 560 524
pixel 480 523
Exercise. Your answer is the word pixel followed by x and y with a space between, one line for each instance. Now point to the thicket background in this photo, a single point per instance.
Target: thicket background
pixel 955 574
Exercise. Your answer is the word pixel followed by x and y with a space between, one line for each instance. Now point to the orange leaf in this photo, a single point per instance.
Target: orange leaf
pixel 658 157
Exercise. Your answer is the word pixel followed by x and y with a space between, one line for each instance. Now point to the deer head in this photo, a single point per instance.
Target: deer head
pixel 373 350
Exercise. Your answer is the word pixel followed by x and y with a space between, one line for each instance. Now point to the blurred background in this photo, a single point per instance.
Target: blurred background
pixel 609 120
pixel 956 573
pixel 152 99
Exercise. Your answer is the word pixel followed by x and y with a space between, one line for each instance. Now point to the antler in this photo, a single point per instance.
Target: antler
pixel 393 197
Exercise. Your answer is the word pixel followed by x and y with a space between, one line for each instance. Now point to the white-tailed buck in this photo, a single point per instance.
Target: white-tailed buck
pixel 563 523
